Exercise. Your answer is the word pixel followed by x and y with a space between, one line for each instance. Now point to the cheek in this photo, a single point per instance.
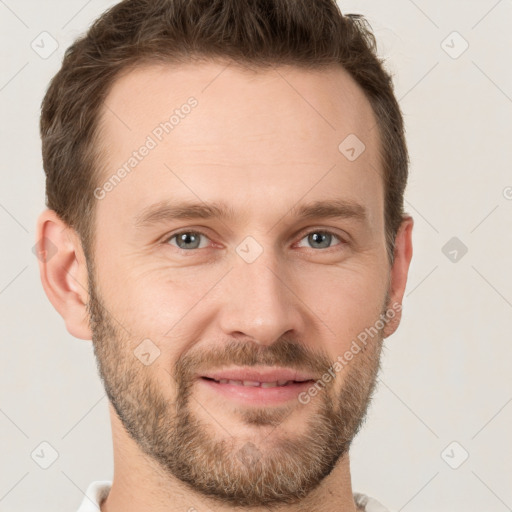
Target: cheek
pixel 346 300
pixel 152 305
pixel 153 296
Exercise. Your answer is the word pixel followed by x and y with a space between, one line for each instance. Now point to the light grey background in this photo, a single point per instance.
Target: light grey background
pixel 446 372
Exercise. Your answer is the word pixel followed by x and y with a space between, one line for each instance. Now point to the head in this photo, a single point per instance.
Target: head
pixel 266 137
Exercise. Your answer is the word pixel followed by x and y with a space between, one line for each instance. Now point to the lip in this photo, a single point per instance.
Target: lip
pixel 272 374
pixel 248 395
pixel 255 395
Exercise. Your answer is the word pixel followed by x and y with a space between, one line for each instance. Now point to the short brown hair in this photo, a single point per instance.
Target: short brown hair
pixel 310 34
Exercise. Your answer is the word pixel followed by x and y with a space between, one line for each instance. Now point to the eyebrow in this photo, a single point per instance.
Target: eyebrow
pixel 167 210
pixel 334 208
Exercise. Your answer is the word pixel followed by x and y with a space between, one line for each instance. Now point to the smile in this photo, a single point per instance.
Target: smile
pixel 255 384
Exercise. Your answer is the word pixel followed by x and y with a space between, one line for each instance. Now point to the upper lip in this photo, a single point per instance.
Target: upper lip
pixel 261 375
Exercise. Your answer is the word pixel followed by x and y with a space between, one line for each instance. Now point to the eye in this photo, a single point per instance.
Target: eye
pixel 320 239
pixel 187 240
pixel 191 240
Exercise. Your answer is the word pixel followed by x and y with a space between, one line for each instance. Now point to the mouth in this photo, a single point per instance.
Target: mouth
pixel 252 387
pixel 257 384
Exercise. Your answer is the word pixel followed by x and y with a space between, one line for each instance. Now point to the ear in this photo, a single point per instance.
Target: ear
pixel 399 272
pixel 63 271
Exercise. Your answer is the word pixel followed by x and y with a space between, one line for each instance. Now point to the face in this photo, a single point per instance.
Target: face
pixel 241 249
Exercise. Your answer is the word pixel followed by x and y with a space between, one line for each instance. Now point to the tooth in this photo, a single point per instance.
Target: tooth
pixel 251 383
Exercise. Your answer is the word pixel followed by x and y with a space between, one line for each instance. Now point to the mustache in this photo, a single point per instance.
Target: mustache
pixel 284 352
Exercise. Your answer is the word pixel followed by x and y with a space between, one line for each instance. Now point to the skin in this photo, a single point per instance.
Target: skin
pixel 263 147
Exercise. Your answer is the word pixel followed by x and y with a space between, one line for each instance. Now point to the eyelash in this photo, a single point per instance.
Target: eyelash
pixel 322 231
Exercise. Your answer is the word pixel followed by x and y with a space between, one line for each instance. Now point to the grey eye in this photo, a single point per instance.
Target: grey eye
pixel 320 239
pixel 187 240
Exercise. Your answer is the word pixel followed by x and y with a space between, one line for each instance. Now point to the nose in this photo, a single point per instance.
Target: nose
pixel 260 301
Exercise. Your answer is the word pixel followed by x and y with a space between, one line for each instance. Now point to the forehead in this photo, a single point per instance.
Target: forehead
pixel 216 131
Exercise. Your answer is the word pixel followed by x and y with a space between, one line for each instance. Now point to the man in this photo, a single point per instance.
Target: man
pixel 266 137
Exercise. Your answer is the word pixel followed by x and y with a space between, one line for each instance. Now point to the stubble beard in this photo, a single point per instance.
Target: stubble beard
pixel 275 469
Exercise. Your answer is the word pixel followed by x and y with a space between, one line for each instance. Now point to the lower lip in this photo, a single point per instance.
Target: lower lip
pixel 258 395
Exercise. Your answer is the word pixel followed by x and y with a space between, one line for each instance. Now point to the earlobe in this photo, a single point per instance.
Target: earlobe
pixel 63 272
pixel 399 272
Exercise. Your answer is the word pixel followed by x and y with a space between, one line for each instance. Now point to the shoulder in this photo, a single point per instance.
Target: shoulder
pixel 365 503
pixel 94 495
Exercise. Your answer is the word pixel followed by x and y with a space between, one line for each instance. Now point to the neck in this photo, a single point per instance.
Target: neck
pixel 140 484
